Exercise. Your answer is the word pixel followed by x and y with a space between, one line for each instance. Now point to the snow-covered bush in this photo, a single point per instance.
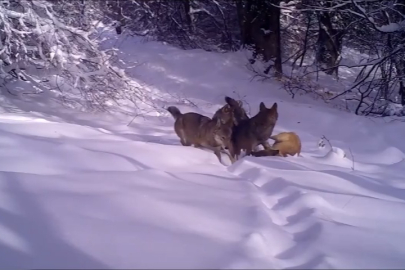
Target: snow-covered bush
pixel 49 44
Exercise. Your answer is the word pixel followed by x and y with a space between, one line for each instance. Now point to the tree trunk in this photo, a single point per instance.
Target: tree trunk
pixel 400 69
pixel 244 9
pixel 400 63
pixel 329 44
pixel 274 37
pixel 260 27
pixel 187 9
pixel 402 92
pixel 306 39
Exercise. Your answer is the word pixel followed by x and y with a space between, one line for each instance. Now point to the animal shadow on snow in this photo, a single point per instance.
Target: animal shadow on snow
pixel 46 248
pixel 376 186
pixel 42 108
pixel 303 239
pixel 369 184
pixel 64 140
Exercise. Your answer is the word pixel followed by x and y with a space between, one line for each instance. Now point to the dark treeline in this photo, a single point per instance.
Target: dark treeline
pixel 302 33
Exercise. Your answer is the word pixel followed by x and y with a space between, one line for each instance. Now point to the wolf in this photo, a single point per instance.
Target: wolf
pixel 201 131
pixel 231 113
pixel 249 133
pixel 286 143
pixel 238 112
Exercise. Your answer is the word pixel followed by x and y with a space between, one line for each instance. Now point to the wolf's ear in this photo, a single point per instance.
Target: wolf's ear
pixel 240 102
pixel 233 103
pixel 218 124
pixel 274 107
pixel 262 106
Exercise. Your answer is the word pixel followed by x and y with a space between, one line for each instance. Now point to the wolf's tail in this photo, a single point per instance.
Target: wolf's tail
pixel 174 111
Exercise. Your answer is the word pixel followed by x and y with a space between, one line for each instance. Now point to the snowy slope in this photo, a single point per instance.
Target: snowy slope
pixel 87 191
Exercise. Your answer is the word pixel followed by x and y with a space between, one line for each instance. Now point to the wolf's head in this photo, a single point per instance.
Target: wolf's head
pixel 264 121
pixel 224 114
pixel 222 133
pixel 239 113
pixel 269 116
pixel 232 111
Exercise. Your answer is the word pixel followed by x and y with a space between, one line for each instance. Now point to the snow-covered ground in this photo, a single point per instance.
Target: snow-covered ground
pixel 80 190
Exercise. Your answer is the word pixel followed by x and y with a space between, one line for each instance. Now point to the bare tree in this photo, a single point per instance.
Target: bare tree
pixel 329 44
pixel 259 22
pixel 374 27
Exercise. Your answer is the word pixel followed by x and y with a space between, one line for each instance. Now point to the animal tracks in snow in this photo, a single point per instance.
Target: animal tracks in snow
pixel 287 224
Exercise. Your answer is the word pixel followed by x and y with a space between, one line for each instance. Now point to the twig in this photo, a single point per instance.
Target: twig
pixel 324 138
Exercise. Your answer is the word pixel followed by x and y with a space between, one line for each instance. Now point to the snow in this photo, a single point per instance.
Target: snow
pixel 82 190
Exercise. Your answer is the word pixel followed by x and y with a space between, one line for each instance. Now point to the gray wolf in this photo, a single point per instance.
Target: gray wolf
pixel 249 133
pixel 201 131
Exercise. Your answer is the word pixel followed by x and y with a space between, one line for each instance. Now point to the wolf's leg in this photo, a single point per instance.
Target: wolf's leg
pixel 216 150
pixel 184 142
pixel 197 145
pixel 229 155
pixel 218 154
pixel 183 139
pixel 233 152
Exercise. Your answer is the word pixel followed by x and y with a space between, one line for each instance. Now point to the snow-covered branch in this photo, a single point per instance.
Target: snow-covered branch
pixel 36 36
